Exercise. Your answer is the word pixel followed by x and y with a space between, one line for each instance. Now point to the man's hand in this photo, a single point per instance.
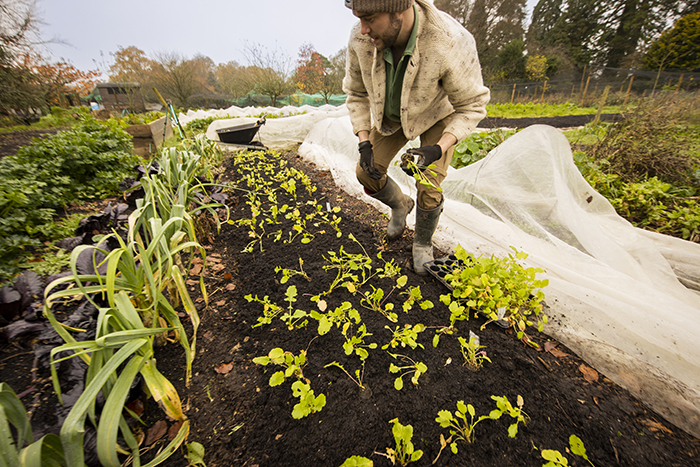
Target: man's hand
pixel 426 156
pixel 367 160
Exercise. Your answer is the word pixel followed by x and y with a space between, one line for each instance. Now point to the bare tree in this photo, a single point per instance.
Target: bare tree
pixel 271 71
pixel 233 80
pixel 177 77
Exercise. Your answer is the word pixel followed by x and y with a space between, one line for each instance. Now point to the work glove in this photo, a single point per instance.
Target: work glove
pixel 367 160
pixel 426 156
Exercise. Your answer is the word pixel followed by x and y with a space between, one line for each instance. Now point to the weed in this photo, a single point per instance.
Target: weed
pixel 412 367
pixel 404 453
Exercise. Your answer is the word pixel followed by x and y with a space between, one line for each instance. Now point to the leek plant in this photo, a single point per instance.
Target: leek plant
pixel 136 287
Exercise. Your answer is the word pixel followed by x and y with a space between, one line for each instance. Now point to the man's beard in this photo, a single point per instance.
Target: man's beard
pixel 388 39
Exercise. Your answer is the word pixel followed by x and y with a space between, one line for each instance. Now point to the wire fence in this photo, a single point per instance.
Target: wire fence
pixel 593 86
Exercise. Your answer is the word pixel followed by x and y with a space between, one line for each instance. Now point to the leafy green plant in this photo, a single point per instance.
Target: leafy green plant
pixel 505 407
pixel 308 402
pixel 441 331
pixel 406 336
pixel 488 285
pixel 472 351
pixel 556 459
pixel 357 461
pixel 359 374
pixel 195 454
pixel 85 162
pixel 355 342
pixel 477 145
pixel 404 453
pixel 415 296
pixel 409 166
pixel 270 310
pixel 462 428
pixel 293 367
pixel 289 273
pixel 46 451
pixel 410 368
pixel 293 317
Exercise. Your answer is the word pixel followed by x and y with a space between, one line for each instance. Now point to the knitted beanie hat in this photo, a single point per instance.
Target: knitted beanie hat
pixel 379 6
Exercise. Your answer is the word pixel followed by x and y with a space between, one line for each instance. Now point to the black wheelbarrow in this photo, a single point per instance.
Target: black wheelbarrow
pixel 240 134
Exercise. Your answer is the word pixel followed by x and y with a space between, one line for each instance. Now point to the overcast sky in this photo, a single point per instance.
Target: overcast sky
pixel 217 29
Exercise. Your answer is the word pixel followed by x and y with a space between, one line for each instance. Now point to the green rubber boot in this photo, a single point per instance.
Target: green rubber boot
pixel 401 205
pixel 426 223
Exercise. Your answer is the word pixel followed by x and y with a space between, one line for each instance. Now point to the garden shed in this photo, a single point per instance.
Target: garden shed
pixel 120 96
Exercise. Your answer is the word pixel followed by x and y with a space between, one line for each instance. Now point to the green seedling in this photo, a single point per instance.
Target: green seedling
pixel 556 459
pixel 499 288
pixel 293 365
pixel 270 310
pixel 472 351
pixel 505 407
pixel 374 300
pixel 413 367
pixel 357 461
pixel 355 343
pixel 359 374
pixel 404 453
pixel 462 427
pixel 195 454
pixel 418 172
pixel 293 317
pixel 441 331
pixel 308 402
pixel 406 336
pixel 415 296
pixel 301 388
pixel 342 317
pixel 289 273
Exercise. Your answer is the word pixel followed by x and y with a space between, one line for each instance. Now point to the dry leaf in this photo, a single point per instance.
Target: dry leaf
pixel 655 426
pixel 136 407
pixel 196 269
pixel 224 368
pixel 549 345
pixel 156 432
pixel 218 267
pixel 230 287
pixel 209 336
pixel 213 259
pixel 589 373
pixel 558 353
pixel 191 282
pixel 172 432
pixel 220 303
pixel 228 276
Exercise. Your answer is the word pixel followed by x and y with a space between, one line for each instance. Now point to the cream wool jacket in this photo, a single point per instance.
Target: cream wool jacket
pixel 442 81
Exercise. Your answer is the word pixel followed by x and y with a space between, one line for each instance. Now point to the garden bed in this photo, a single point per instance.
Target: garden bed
pixel 241 420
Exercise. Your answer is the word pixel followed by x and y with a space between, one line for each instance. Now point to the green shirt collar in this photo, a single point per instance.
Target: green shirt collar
pixel 410 45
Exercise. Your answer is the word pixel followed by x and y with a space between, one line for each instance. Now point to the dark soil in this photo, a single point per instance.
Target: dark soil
pixel 242 421
pixel 565 121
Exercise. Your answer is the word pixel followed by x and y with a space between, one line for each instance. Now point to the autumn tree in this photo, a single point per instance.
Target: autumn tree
pixel 270 71
pixel 61 78
pixel 130 65
pixel 310 70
